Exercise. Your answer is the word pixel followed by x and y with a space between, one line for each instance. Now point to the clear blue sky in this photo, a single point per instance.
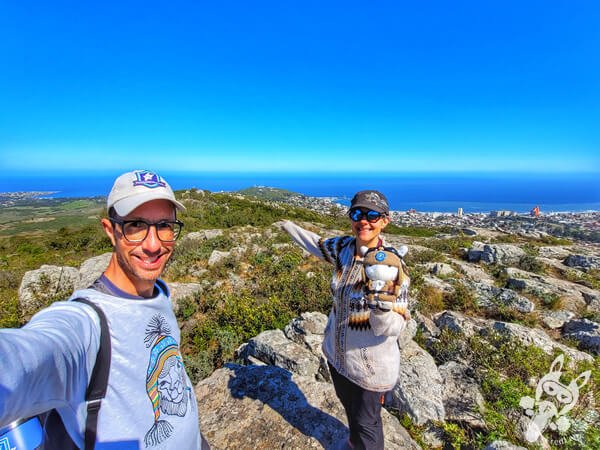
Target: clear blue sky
pixel 300 85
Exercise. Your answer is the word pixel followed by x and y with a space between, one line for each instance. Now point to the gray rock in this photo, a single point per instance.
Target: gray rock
pixel 475 252
pixel 217 257
pixel 440 269
pixel 553 252
pixel 470 326
pixel 574 296
pixel 468 232
pixel 268 407
pixel 463 401
pixel 436 283
pixel 408 334
pixel 583 262
pixel 202 235
pixel 506 254
pixel 91 269
pixel 179 291
pixel 272 347
pixel 419 389
pixel 584 331
pixel 555 319
pixel 40 286
pixel 473 271
pixel 426 325
pixel 489 296
pixel 503 445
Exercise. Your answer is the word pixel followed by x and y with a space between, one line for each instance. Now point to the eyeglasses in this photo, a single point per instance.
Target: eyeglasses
pixel 357 215
pixel 137 230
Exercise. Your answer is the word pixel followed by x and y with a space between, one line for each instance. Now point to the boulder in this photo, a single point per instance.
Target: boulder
pixel 436 283
pixel 506 254
pixel 585 332
pixel 489 296
pixel 555 319
pixel 583 262
pixel 419 390
pixel 202 235
pixel 473 272
pixel 475 252
pixel 179 291
pixel 217 256
pixel 427 326
pixel 274 348
pixel 41 286
pixel 308 330
pixel 553 252
pixel 91 269
pixel 463 402
pixel 268 407
pixel 440 269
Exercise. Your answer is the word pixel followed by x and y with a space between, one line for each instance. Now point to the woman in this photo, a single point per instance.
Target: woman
pixel 360 341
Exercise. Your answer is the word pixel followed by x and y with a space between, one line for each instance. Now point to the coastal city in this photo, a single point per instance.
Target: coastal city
pixel 537 223
pixel 580 225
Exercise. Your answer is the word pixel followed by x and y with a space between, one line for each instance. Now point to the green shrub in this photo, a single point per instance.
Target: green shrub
pixel 430 300
pixel 530 263
pixel 461 299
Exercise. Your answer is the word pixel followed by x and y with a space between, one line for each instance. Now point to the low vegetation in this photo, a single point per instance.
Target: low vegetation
pixel 269 281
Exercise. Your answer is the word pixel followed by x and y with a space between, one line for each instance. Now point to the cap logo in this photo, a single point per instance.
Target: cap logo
pixel 375 199
pixel 148 179
pixel 380 256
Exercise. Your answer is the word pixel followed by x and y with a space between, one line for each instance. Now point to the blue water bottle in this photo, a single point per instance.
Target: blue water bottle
pixel 23 434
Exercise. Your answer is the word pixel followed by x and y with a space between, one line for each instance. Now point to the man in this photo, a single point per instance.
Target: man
pixel 48 363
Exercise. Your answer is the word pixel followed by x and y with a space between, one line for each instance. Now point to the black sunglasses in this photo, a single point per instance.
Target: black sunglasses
pixel 357 215
pixel 137 230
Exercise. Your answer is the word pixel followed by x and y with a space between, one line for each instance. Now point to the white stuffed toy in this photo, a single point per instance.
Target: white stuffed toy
pixel 385 276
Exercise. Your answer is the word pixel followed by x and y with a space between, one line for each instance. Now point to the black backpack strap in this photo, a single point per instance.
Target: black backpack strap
pixel 96 390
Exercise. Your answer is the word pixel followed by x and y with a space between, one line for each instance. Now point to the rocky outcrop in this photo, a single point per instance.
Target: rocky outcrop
pixel 91 269
pixel 274 348
pixel 202 235
pixel 419 390
pixel 555 319
pixel 473 271
pixel 180 291
pixel 506 254
pixel 574 296
pixel 492 297
pixel 440 269
pixel 462 399
pixel 436 283
pixel 583 262
pixel 585 332
pixel 39 287
pixel 470 326
pixel 269 407
pixel 553 252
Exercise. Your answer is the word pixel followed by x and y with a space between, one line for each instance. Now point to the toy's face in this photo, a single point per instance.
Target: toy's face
pixel 381 272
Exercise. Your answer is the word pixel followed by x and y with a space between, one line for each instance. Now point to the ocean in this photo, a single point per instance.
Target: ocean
pixel 426 192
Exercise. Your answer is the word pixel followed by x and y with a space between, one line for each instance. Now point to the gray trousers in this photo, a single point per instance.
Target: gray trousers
pixel 363 410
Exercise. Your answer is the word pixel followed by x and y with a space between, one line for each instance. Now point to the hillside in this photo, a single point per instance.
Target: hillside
pixel 492 310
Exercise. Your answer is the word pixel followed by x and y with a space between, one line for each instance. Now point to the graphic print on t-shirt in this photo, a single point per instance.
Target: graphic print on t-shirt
pixel 165 380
